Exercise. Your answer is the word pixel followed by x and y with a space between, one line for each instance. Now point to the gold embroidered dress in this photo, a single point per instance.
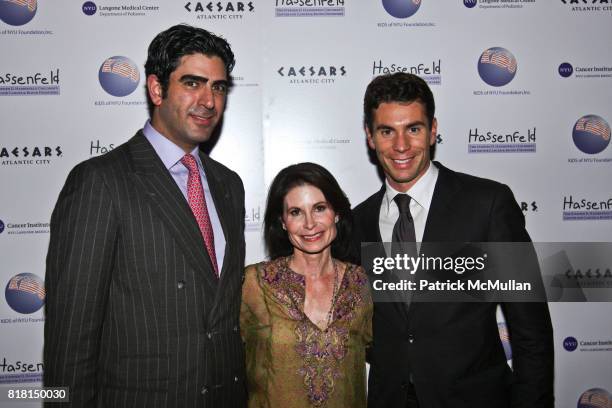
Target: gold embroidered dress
pixel 290 362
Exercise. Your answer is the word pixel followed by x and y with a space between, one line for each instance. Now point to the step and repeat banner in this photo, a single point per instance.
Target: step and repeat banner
pixel 523 91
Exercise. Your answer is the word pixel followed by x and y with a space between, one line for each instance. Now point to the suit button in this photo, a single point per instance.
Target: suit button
pixel 204 391
pixel 235 328
pixel 410 338
pixel 180 284
pixel 236 378
pixel 209 335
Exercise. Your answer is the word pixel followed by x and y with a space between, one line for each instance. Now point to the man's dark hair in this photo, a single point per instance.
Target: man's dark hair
pixel 276 238
pixel 398 87
pixel 168 47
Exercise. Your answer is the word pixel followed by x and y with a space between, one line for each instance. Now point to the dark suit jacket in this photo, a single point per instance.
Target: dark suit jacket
pixel 135 316
pixel 453 350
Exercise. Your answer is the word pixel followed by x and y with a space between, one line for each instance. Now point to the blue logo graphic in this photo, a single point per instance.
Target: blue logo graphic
pixel 17 12
pixel 566 69
pixel 119 76
pixel 401 8
pixel 497 66
pixel 25 293
pixel 591 134
pixel 89 8
pixel 570 343
pixel 505 339
pixel 1 226
pixel 470 3
pixel 595 398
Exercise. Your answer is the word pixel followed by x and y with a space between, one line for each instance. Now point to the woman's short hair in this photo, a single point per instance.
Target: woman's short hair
pixel 276 238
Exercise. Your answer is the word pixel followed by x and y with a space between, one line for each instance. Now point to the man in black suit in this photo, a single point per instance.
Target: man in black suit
pixel 147 251
pixel 435 355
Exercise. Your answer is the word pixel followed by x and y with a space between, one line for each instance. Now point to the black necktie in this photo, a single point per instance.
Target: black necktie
pixel 403 231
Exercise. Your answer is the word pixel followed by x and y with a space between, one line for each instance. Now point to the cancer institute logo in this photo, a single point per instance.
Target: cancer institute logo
pixel 591 134
pixel 89 8
pixel 595 398
pixel 570 343
pixel 566 69
pixel 119 76
pixel 505 339
pixel 17 12
pixel 25 293
pixel 401 8
pixel 497 66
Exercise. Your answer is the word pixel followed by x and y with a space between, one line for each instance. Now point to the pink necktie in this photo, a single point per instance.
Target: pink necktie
pixel 197 202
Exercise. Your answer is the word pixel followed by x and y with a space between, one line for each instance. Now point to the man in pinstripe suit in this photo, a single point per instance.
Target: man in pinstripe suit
pixel 143 296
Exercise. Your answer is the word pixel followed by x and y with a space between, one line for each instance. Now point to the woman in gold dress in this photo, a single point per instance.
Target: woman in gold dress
pixel 306 315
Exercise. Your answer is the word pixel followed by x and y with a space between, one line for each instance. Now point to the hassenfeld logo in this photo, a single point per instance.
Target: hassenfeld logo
pixel 119 76
pixel 497 66
pixel 401 8
pixel 17 12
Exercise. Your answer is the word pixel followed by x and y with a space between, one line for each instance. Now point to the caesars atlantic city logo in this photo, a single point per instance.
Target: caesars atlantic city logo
pixel 590 6
pixel 220 10
pixel 311 74
pixel 595 398
pixel 585 71
pixel 25 293
pixel 402 10
pixel 309 8
pixel 498 4
pixel 119 77
pixel 90 8
pixel 29 155
pixel 17 12
pixel 497 67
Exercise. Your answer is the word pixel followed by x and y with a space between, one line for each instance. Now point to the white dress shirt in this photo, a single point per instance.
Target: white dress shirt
pixel 421 194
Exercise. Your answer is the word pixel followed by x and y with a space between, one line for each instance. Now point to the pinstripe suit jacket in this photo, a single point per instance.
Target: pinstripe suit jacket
pixel 134 314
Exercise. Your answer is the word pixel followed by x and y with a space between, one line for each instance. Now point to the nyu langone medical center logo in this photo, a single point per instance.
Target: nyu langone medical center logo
pixel 595 398
pixel 311 74
pixel 89 8
pixel 119 76
pixel 309 8
pixel 17 12
pixel 591 134
pixel 401 8
pixel 570 344
pixel 25 293
pixel 431 72
pixel 220 10
pixel 470 3
pixel 497 66
pixel 566 69
pixel 482 141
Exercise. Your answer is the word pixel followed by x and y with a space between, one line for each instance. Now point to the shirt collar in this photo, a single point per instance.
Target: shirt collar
pixel 421 192
pixel 168 152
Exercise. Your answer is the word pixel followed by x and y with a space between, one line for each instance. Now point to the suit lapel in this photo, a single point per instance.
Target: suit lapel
pixel 442 206
pixel 168 202
pixel 371 226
